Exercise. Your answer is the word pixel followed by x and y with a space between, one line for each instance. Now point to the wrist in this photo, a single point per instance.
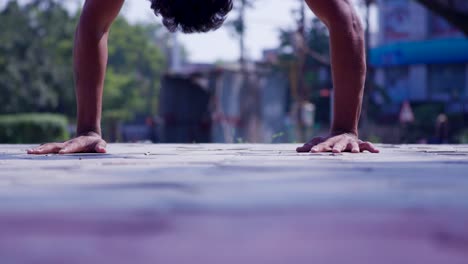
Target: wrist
pixel 88 127
pixel 339 131
pixel 89 134
pixel 80 131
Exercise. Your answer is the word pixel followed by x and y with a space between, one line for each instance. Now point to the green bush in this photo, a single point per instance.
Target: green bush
pixel 424 125
pixel 33 128
pixel 462 137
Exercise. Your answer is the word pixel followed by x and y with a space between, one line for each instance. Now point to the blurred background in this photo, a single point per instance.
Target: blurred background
pixel 264 77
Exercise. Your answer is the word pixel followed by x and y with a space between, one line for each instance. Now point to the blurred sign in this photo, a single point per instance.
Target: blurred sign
pixel 406 114
pixel 453 50
pixel 439 27
pixel 396 20
pixel 307 114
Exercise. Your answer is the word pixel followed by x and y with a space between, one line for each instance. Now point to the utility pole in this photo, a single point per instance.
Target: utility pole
pixel 175 64
pixel 248 103
pixel 370 70
pixel 301 53
pixel 302 18
pixel 302 109
pixel 242 33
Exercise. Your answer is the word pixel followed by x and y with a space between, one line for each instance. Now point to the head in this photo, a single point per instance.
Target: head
pixel 190 16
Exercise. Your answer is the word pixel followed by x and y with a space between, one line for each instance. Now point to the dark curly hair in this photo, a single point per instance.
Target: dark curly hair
pixel 190 16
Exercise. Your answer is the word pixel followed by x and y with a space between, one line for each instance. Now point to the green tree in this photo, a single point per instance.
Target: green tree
pixel 36 62
pixel 238 25
pixel 135 68
pixel 35 46
pixel 316 49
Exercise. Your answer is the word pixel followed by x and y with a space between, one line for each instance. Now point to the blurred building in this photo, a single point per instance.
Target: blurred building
pixel 222 104
pixel 419 57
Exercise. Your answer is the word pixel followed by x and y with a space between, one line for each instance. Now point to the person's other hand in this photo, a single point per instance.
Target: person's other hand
pixel 338 144
pixel 85 143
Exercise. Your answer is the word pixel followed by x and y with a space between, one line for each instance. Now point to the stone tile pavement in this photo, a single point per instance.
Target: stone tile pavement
pixel 234 204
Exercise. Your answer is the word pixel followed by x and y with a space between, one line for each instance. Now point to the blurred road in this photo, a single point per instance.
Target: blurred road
pixel 234 204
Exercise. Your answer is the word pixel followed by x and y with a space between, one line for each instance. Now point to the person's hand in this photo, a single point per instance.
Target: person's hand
pixel 85 143
pixel 337 144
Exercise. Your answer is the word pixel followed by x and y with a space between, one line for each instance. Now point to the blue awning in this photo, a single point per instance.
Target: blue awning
pixel 421 52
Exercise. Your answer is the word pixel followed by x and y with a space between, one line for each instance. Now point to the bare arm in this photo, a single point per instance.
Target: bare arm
pixel 349 74
pixel 90 60
pixel 90 63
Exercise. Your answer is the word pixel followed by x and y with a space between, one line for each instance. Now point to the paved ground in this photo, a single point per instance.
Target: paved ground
pixel 234 204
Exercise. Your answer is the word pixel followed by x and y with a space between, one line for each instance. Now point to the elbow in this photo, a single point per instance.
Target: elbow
pixel 354 26
pixel 344 19
pixel 90 26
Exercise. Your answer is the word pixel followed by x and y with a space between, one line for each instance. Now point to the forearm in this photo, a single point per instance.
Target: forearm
pixel 348 61
pixel 90 61
pixel 349 73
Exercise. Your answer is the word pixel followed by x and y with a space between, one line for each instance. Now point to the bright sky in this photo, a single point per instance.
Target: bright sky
pixel 263 23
